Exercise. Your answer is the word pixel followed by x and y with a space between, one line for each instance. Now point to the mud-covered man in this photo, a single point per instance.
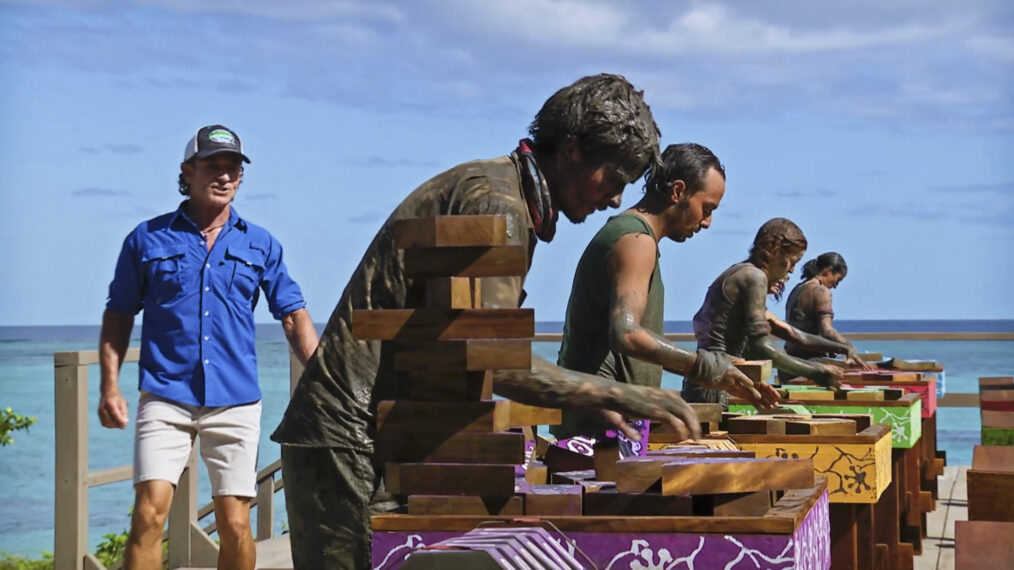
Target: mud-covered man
pixel 589 140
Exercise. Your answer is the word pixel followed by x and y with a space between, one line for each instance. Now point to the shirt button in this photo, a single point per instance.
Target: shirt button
pixel 206 361
pixel 206 313
pixel 200 243
pixel 208 265
pixel 207 288
pixel 205 338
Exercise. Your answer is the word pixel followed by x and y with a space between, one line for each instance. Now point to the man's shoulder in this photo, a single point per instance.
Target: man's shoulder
pixel 159 222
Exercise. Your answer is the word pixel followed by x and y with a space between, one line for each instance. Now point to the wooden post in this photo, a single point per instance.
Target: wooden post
pixel 71 406
pixel 182 512
pixel 265 507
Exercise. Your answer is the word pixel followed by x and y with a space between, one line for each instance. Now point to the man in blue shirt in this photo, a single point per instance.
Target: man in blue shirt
pixel 197 273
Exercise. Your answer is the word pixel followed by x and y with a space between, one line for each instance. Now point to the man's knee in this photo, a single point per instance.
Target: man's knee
pixel 151 508
pixel 232 516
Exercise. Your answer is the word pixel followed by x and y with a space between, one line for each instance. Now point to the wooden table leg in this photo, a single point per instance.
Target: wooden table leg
pixel 865 543
pixel 886 519
pixel 844 535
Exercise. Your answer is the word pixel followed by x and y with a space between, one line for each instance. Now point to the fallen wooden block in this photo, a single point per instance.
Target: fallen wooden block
pixel 417 447
pixel 719 476
pixel 443 417
pixel 613 503
pixel 820 426
pixel 756 370
pixel 865 395
pixel 536 473
pixel 572 477
pixel 430 386
pixel 560 459
pixel 485 480
pixel 465 505
pixel 698 451
pixel 870 356
pixel 441 231
pixel 551 500
pixel 912 365
pixel 811 395
pixel 756 424
pixel 862 421
pixel 464 355
pixel 466 261
pixel 732 504
pixel 442 324
pixel 525 415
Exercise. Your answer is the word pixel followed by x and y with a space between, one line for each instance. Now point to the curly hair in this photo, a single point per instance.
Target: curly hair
pixel 777 235
pixel 609 119
pixel 688 162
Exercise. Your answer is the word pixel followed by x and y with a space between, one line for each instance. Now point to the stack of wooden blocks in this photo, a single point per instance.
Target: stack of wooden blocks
pixel 996 400
pixel 447 441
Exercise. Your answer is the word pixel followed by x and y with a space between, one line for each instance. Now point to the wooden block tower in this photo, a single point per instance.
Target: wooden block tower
pixel 447 441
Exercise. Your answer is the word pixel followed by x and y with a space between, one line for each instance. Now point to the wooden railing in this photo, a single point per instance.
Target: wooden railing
pixel 189 544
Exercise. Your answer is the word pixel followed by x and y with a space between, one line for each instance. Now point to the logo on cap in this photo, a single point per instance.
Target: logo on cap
pixel 221 136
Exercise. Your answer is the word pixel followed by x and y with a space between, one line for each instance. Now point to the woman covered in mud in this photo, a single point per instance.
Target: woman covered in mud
pixel 733 318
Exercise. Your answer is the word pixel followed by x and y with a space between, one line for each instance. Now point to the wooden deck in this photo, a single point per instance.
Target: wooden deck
pixel 938 546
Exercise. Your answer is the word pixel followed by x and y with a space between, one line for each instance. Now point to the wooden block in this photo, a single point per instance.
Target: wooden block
pixel 711 413
pixel 812 395
pixel 454 293
pixel 732 504
pixel 996 381
pixel 991 484
pixel 465 505
pixel 559 459
pixel 525 415
pixel 983 544
pixel 442 417
pixel 756 370
pixel 572 477
pixel 613 503
pixel 640 474
pixel 756 425
pixel 468 261
pixel 442 324
pixel 997 419
pixel 441 231
pixel 891 394
pixel 698 451
pixel 464 355
pixel 821 426
pixel 541 446
pixel 862 421
pixel 994 395
pixel 870 356
pixel 865 395
pixel 605 454
pixel 536 473
pixel 926 502
pixel 551 500
pixel 430 386
pixel 415 447
pixel 912 365
pixel 592 486
pixel 719 476
pixel 487 480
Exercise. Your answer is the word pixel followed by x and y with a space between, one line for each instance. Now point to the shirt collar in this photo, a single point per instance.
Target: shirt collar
pixel 181 217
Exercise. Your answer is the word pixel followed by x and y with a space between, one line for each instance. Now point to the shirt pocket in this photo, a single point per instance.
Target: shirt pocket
pixel 163 270
pixel 247 270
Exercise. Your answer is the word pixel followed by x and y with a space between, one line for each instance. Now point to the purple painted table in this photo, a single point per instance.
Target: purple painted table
pixel 795 533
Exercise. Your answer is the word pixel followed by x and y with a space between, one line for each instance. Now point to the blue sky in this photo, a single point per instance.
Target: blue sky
pixel 885 129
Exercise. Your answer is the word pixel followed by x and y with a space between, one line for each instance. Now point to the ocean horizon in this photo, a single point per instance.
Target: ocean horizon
pixel 26 382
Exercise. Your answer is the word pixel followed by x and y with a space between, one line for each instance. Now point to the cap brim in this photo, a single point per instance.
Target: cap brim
pixel 215 151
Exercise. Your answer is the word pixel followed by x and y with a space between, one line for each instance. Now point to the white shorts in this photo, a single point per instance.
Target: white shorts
pixel 164 436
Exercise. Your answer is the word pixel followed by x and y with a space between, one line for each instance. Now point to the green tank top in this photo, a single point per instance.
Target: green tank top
pixel 585 345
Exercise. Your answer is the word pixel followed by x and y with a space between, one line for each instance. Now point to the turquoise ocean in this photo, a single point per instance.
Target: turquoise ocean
pixel 26 385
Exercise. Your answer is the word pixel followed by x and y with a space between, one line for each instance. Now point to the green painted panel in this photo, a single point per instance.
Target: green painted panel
pixel 997 436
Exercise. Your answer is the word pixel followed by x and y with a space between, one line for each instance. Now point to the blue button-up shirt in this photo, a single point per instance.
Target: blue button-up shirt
pixel 197 334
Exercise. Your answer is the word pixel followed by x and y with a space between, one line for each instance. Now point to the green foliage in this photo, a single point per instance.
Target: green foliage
pixel 11 421
pixel 111 548
pixel 11 562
